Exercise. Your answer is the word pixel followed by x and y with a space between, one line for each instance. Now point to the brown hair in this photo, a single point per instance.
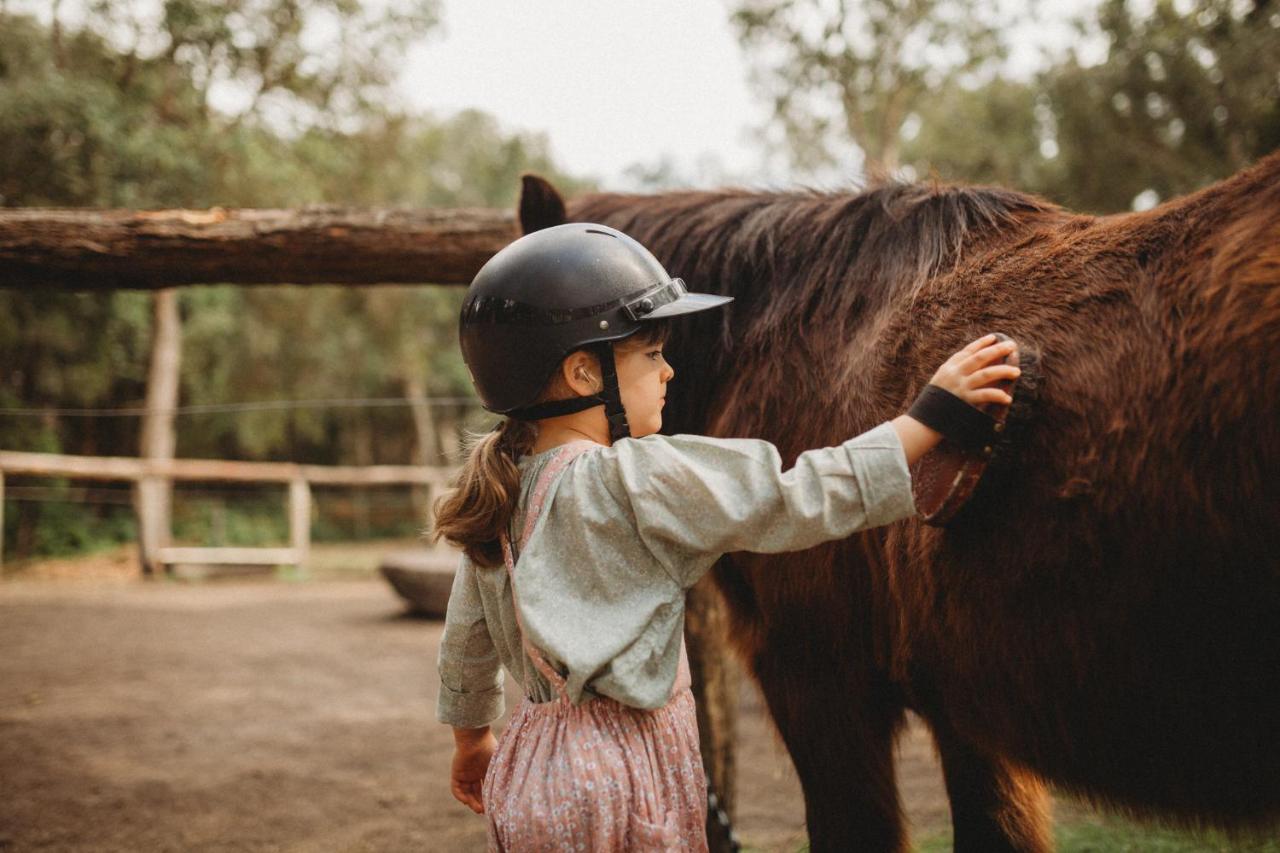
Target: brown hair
pixel 484 492
pixel 474 513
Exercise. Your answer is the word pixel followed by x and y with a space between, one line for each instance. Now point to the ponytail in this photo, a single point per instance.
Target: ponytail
pixel 485 492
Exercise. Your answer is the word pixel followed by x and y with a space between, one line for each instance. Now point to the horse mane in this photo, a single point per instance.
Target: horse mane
pixel 806 257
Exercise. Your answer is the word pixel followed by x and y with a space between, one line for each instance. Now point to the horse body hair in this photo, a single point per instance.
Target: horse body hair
pixel 1105 613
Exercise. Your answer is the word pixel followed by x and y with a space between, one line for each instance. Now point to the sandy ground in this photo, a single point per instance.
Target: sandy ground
pixel 271 715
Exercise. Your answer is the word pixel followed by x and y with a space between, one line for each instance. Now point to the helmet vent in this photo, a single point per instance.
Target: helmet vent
pixel 605 233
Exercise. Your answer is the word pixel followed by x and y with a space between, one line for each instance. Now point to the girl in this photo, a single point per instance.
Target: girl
pixel 581 528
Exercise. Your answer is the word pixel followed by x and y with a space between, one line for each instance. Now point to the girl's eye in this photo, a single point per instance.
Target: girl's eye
pixel 654 353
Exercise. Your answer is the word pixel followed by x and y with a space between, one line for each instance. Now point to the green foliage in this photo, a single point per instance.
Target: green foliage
pixel 984 135
pixel 836 71
pixel 78 350
pixel 269 103
pixel 1186 94
pixel 61 525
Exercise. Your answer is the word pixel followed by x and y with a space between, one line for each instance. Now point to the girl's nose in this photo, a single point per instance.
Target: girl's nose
pixel 668 372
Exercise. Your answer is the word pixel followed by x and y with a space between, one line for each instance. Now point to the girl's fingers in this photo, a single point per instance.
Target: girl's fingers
pixel 466 794
pixel 974 346
pixel 988 395
pixel 986 355
pixel 987 375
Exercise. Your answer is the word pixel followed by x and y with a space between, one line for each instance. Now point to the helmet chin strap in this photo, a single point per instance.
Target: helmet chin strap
pixel 610 397
pixel 613 409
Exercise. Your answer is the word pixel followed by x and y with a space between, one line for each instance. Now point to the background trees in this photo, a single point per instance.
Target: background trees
pixel 1182 94
pixel 256 103
pixel 198 103
pixel 838 71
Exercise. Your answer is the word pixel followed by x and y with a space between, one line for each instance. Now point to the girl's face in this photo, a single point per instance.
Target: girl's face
pixel 643 375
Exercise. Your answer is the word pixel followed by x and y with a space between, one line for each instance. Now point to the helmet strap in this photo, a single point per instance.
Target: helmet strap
pixel 613 409
pixel 556 408
pixel 610 397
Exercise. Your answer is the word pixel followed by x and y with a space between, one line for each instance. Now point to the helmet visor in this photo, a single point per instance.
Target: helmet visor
pixel 669 300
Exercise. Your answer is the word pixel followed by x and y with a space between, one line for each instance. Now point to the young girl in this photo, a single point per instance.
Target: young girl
pixel 582 528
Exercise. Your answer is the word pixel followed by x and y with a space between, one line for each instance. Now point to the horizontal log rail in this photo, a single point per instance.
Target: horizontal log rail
pixel 86 249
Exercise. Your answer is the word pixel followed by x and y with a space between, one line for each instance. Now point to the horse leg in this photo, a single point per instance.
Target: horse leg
pixel 994 806
pixel 840 732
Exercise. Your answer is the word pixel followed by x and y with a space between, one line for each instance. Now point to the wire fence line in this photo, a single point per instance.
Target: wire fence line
pixel 258 406
pixel 123 495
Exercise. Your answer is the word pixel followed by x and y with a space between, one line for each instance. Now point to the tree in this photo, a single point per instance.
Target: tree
pixel 838 72
pixel 991 134
pixel 1186 95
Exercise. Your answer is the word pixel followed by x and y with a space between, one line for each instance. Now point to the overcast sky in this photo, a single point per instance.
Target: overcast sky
pixel 616 83
pixel 610 84
pixel 613 84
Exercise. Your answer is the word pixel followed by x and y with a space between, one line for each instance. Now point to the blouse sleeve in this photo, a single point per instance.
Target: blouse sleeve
pixel 693 498
pixel 470 671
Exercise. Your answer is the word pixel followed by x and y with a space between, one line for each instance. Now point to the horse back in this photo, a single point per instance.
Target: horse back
pixel 1103 610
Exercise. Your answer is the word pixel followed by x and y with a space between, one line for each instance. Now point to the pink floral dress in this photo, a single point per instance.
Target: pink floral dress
pixel 598 776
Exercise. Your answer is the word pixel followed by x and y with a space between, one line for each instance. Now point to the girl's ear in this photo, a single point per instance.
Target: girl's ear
pixel 581 372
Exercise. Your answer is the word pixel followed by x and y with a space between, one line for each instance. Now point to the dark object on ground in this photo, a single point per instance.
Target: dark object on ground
pixel 422 578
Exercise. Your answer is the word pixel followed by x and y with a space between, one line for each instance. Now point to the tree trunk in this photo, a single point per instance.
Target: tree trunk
pixel 73 249
pixel 364 457
pixel 425 444
pixel 153 495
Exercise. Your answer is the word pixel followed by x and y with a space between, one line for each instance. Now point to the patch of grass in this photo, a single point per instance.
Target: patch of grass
pixel 62 528
pixel 1116 835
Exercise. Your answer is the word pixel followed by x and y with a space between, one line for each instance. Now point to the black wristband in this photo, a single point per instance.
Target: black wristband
pixel 939 409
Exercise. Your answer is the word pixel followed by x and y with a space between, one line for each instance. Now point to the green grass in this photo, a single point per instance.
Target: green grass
pixel 1116 835
pixel 1098 834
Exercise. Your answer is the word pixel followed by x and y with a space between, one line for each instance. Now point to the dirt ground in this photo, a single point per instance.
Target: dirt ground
pixel 270 715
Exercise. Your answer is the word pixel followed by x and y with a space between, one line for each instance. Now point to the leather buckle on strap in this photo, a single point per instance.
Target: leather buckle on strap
pixel 655 299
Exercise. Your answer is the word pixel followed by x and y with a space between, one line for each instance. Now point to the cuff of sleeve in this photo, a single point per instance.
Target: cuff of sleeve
pixel 880 465
pixel 469 710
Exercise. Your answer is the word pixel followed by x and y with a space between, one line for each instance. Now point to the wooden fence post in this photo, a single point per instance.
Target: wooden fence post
pixel 154 494
pixel 300 520
pixel 151 506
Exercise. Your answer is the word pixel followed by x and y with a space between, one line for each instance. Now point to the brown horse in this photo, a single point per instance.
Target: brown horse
pixel 1105 613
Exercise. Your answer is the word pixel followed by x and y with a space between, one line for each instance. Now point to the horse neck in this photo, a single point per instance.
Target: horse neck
pixel 827 264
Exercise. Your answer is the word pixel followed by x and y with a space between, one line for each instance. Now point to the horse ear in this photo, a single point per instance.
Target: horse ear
pixel 541 204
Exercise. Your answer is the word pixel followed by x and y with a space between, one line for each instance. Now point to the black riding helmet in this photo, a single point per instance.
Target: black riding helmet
pixel 554 291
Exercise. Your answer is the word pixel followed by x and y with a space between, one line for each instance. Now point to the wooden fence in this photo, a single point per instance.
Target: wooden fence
pixel 161 472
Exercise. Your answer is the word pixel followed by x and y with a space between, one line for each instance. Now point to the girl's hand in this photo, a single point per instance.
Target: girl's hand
pixel 473 749
pixel 968 373
pixel 965 374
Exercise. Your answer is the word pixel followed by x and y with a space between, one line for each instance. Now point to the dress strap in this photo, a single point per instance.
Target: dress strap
pixel 538 496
